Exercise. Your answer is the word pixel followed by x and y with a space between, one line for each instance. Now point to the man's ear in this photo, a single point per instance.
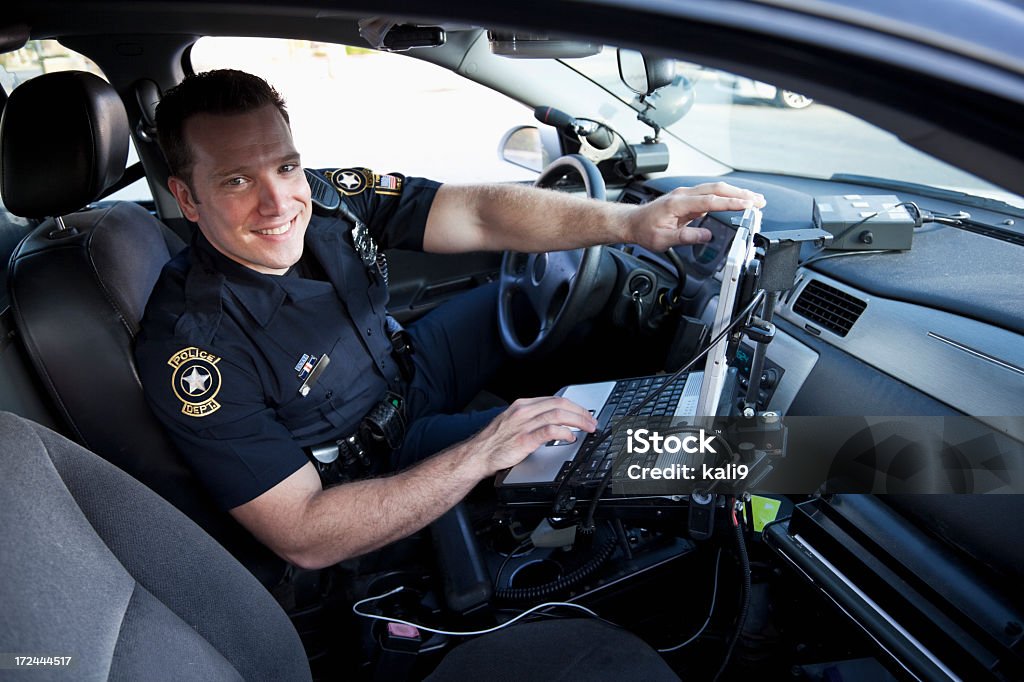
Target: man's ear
pixel 183 193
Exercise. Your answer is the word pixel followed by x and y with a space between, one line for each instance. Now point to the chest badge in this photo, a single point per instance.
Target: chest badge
pixel 196 381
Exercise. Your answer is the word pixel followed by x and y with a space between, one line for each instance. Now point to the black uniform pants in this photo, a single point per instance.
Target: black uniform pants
pixel 457 350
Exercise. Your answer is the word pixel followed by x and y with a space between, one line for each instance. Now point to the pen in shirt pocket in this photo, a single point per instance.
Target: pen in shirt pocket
pixel 314 374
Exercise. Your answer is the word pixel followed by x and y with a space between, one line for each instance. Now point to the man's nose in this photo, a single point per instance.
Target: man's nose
pixel 273 197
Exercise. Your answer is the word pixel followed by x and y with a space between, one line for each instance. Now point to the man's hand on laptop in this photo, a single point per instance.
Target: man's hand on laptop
pixel 527 424
pixel 665 222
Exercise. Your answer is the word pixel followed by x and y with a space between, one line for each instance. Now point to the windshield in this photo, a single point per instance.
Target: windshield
pixel 351 106
pixel 754 126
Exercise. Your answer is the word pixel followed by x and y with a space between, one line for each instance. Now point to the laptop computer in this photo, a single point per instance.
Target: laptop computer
pixel 692 397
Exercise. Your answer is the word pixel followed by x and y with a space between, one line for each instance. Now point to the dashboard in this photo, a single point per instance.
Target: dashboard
pixel 936 330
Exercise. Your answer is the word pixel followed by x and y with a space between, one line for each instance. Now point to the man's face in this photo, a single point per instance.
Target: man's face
pixel 249 194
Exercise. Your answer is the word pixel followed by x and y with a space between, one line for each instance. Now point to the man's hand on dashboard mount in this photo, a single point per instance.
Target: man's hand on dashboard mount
pixel 665 222
pixel 527 424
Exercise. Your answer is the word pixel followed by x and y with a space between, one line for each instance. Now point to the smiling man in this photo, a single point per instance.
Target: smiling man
pixel 260 225
pixel 266 346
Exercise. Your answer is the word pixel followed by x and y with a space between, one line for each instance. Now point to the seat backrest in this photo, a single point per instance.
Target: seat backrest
pixel 98 566
pixel 80 281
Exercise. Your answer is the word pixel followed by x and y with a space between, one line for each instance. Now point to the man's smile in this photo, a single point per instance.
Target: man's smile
pixel 276 231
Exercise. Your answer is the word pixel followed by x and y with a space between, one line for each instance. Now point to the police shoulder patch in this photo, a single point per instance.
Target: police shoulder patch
pixel 352 181
pixel 195 381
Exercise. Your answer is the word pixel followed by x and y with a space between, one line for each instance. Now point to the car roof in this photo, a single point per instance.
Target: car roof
pixel 987 30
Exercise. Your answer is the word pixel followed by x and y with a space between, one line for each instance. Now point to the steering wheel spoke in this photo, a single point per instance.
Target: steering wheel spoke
pixel 556 284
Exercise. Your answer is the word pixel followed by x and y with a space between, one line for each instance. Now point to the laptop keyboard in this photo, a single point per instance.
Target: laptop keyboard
pixel 598 457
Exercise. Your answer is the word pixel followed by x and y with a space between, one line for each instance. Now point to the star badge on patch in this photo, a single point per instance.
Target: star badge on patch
pixel 195 381
pixel 350 181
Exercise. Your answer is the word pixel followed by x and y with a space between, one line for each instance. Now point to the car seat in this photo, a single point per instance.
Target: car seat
pixel 98 568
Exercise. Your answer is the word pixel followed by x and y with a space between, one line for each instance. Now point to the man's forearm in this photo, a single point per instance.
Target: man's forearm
pixel 499 217
pixel 313 527
pixel 527 219
pixel 359 517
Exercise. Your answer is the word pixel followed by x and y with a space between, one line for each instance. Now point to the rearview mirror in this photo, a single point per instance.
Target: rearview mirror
pixel 642 74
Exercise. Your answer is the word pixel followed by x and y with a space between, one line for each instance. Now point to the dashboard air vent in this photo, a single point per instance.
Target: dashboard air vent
pixel 628 197
pixel 833 309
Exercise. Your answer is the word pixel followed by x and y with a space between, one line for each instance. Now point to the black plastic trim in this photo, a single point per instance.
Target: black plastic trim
pixel 928 593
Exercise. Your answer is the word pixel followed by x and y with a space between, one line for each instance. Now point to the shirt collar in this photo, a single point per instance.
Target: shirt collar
pixel 260 294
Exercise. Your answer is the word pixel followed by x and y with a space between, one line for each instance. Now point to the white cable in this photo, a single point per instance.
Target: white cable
pixel 714 592
pixel 355 609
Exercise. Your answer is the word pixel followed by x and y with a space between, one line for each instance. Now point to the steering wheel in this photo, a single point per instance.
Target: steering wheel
pixel 557 284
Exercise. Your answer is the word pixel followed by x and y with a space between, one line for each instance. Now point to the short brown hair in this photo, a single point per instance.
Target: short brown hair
pixel 223 91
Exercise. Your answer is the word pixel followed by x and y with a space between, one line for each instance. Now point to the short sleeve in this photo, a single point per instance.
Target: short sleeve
pixel 395 207
pixel 214 410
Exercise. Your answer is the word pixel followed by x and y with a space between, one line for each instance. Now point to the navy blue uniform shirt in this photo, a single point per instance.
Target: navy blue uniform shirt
pixel 224 349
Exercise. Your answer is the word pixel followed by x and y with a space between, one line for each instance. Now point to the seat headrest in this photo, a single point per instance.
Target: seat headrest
pixel 147 94
pixel 63 141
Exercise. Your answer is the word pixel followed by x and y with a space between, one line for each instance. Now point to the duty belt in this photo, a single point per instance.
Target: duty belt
pixel 359 454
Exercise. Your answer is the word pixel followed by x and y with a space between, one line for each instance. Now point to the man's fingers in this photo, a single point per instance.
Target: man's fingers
pixel 550 432
pixel 528 409
pixel 530 423
pixel 723 189
pixel 567 418
pixel 664 222
pixel 690 206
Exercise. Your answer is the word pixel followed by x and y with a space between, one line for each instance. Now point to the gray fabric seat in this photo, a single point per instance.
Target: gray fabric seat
pixel 99 568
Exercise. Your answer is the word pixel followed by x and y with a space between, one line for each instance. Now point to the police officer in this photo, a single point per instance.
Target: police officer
pixel 269 335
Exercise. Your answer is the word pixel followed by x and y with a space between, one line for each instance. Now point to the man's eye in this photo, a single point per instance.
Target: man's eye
pixel 289 167
pixel 235 182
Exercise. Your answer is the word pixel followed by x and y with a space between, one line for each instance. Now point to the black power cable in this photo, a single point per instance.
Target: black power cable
pixel 711 612
pixel 563 582
pixel 514 553
pixel 741 549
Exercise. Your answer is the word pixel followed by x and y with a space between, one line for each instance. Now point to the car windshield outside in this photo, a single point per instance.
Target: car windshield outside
pixel 393 113
pixel 751 126
pixel 353 106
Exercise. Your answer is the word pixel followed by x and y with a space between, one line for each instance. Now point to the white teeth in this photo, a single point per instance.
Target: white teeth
pixel 274 230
